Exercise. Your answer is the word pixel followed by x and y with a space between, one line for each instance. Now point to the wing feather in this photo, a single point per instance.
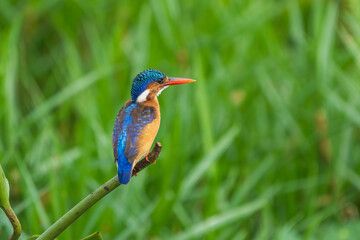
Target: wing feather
pixel 129 123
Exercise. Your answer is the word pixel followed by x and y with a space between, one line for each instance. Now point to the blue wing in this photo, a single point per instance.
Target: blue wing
pixel 131 119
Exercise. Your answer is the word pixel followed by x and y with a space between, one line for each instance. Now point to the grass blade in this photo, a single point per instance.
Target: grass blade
pixel 221 220
pixel 197 172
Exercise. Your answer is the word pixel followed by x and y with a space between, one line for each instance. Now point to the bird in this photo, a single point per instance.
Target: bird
pixel 138 121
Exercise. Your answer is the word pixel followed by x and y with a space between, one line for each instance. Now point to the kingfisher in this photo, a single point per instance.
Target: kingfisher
pixel 138 121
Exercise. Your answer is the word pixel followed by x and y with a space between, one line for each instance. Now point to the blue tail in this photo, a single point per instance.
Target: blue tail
pixel 124 175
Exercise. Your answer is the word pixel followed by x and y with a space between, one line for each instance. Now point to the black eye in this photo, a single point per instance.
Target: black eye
pixel 160 81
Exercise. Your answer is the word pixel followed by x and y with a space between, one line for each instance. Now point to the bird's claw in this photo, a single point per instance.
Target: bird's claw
pixel 146 157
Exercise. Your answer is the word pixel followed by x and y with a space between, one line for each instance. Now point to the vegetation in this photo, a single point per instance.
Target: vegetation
pixel 265 145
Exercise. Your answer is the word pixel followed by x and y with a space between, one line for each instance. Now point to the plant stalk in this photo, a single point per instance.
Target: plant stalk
pixel 14 222
pixel 65 221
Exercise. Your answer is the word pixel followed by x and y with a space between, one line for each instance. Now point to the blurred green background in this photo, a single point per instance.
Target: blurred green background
pixel 265 145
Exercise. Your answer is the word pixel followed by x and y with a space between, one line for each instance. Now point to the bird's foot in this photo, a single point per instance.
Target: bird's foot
pixel 146 157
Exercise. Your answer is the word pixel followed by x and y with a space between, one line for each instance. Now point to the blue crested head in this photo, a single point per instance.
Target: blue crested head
pixel 141 81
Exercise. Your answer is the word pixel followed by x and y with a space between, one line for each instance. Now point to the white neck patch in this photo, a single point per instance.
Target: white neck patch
pixel 161 90
pixel 143 96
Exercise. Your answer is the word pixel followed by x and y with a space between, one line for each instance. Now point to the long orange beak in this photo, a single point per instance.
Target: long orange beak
pixel 176 81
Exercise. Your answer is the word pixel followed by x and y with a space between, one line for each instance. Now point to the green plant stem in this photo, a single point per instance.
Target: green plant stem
pixel 6 207
pixel 14 222
pixel 60 225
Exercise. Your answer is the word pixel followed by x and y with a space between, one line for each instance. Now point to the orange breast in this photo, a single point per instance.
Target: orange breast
pixel 148 134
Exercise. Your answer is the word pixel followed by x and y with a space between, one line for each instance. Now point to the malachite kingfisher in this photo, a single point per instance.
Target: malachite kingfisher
pixel 138 121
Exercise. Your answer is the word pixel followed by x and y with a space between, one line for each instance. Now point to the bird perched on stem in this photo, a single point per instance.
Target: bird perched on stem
pixel 138 121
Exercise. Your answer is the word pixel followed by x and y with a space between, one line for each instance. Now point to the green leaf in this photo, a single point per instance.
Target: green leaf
pixel 4 190
pixel 33 237
pixel 221 220
pixel 94 236
pixel 6 207
pixel 195 175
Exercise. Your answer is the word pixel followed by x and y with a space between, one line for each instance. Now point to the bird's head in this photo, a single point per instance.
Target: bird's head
pixel 150 83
